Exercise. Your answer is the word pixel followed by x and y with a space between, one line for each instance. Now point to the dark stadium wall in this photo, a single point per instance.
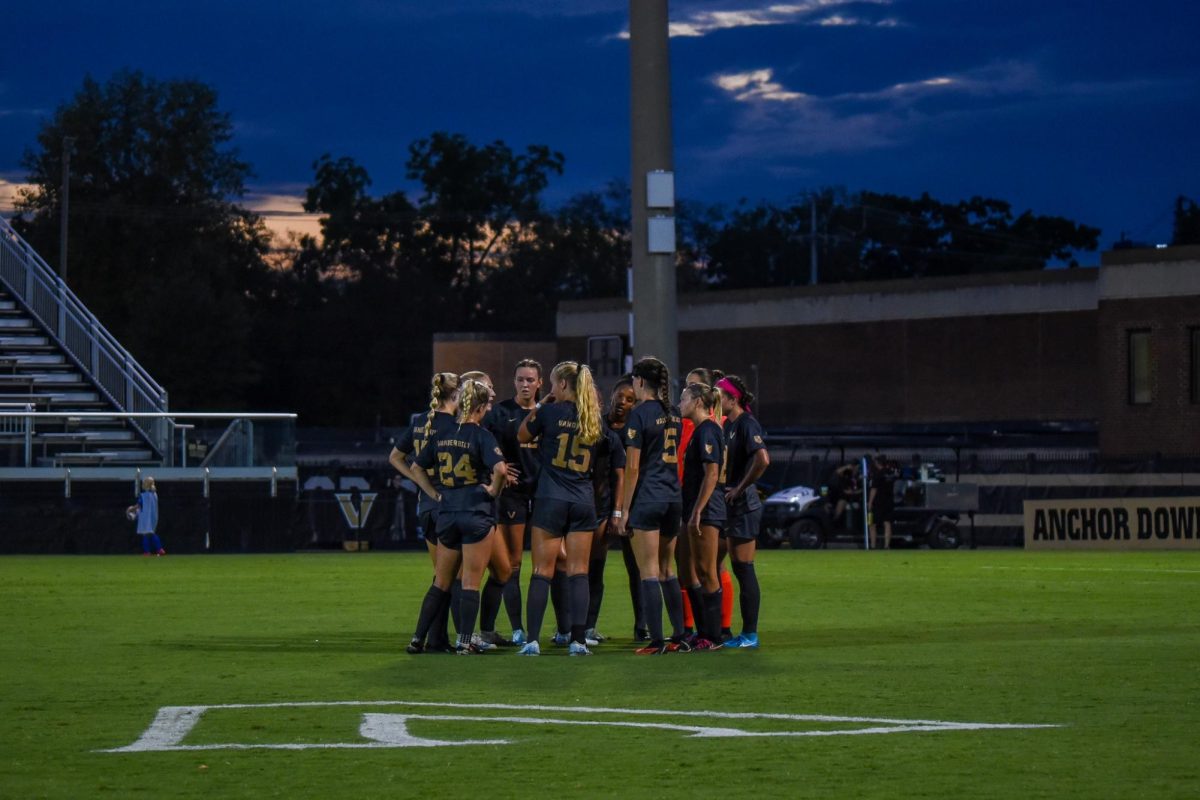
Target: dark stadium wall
pixel 237 517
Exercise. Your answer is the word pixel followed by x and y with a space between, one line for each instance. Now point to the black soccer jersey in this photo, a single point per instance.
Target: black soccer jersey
pixel 566 461
pixel 462 459
pixel 707 446
pixel 610 457
pixel 743 438
pixel 413 441
pixel 656 433
pixel 504 420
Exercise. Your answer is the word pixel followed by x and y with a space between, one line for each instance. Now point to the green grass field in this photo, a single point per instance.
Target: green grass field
pixel 1106 646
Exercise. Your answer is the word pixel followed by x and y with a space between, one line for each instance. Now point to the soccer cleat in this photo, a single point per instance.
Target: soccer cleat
pixel 562 639
pixel 493 637
pixel 468 650
pixel 702 645
pixel 594 637
pixel 479 644
pixel 161 552
pixel 746 641
pixel 518 636
pixel 146 554
pixel 680 645
pixel 415 647
pixel 440 647
pixel 577 649
pixel 652 649
pixel 530 649
pixel 641 634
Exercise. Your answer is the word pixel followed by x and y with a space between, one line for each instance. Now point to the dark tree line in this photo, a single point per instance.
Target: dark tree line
pixel 338 328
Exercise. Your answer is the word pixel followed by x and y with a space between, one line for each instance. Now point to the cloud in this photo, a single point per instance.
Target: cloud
pixel 756 85
pixel 702 21
pixel 9 190
pixel 776 120
pixel 282 210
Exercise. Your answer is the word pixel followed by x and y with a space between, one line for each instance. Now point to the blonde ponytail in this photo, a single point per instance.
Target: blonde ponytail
pixel 588 406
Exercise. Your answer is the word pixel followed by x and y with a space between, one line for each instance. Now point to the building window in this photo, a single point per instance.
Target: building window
pixel 1140 390
pixel 1195 365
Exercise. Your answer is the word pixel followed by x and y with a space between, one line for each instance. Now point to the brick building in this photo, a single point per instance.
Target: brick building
pixel 1116 347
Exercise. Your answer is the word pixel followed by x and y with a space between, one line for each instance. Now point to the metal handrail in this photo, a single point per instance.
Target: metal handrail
pixel 25 412
pixel 106 363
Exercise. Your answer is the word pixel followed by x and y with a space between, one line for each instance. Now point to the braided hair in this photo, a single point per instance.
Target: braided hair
pixel 657 377
pixel 445 384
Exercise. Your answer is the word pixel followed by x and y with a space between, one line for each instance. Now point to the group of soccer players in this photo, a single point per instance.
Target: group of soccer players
pixel 675 483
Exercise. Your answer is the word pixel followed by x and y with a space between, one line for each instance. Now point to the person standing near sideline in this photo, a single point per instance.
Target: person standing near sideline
pixel 146 509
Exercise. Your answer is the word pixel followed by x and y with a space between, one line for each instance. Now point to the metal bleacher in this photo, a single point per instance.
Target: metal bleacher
pixel 58 360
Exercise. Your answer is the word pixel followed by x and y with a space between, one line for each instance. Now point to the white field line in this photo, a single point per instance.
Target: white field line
pixel 173 723
pixel 1163 571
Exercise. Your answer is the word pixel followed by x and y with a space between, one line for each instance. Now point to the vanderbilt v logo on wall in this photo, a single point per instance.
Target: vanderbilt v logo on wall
pixel 1138 523
pixel 356 516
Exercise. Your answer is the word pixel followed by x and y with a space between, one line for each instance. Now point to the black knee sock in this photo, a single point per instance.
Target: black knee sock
pixel 577 592
pixel 535 607
pixel 429 612
pixel 652 603
pixel 456 604
pixel 748 594
pixel 635 583
pixel 711 603
pixel 489 604
pixel 512 599
pixel 595 590
pixel 468 612
pixel 673 599
pixel 559 599
pixel 439 635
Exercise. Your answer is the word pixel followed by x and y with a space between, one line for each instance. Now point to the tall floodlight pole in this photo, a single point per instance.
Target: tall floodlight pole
pixel 68 142
pixel 655 328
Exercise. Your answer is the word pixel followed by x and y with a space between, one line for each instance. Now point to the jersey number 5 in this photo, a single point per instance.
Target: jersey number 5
pixel 670 451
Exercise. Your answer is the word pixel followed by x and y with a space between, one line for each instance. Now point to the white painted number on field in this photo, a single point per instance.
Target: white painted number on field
pixel 379 729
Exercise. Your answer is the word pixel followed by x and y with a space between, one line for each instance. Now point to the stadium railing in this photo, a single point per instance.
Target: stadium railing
pixel 106 363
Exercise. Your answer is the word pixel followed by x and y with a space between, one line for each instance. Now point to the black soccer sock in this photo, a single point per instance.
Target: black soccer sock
pixel 439 635
pixel 560 601
pixel 535 606
pixel 577 591
pixel 429 611
pixel 748 594
pixel 711 603
pixel 468 612
pixel 456 604
pixel 652 603
pixel 635 582
pixel 512 599
pixel 595 591
pixel 673 599
pixel 489 604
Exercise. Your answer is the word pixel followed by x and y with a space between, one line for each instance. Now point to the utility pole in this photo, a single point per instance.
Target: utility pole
pixel 68 143
pixel 655 324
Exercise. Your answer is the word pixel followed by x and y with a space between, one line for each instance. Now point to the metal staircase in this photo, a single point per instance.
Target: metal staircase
pixel 55 356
